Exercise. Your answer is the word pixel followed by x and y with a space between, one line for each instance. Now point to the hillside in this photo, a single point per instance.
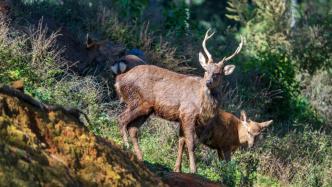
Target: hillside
pixel 39 148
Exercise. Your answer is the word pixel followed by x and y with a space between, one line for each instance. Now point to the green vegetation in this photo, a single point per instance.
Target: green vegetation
pixel 283 73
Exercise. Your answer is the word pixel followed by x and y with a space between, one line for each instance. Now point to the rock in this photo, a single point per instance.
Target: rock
pixel 187 180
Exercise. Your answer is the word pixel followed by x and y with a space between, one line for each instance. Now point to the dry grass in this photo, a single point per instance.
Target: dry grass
pixel 33 56
pixel 3 30
pixel 12 52
pixel 302 172
pixel 272 166
pixel 298 158
pixel 318 89
pixel 161 53
pixel 44 53
pixel 157 50
pixel 234 98
pixel 7 41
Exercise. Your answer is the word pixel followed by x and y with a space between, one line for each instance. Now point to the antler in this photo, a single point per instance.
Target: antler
pixel 225 59
pixel 207 36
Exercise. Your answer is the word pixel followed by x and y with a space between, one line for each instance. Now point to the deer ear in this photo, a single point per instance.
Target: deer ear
pixel 89 42
pixel 122 67
pixel 243 116
pixel 265 124
pixel 202 60
pixel 228 69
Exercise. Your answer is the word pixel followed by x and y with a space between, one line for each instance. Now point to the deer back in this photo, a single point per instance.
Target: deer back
pixel 164 89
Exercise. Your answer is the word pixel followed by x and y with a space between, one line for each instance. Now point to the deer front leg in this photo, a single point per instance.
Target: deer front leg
pixel 205 134
pixel 220 154
pixel 227 155
pixel 177 167
pixel 189 133
pixel 178 163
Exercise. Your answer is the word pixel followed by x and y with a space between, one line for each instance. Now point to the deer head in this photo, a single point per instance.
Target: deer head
pixel 253 129
pixel 103 51
pixel 215 71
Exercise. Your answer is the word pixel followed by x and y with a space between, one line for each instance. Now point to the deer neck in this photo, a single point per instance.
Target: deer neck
pixel 208 106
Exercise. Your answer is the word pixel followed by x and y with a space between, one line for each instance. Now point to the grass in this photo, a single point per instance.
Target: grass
pixel 264 181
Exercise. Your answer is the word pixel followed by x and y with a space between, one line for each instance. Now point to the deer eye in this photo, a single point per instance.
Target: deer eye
pixel 215 76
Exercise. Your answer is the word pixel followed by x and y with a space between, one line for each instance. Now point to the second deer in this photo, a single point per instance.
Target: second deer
pixel 190 100
pixel 226 134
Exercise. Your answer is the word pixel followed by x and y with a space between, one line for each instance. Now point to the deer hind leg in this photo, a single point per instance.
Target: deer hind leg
pixel 220 154
pixel 133 133
pixel 130 115
pixel 178 163
pixel 227 155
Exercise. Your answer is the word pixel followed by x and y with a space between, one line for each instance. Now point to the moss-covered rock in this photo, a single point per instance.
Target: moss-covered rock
pixel 39 148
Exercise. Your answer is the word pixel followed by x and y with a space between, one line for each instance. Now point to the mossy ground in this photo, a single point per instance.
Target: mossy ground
pixel 53 149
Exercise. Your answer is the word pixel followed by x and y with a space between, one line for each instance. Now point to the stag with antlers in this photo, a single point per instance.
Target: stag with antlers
pixel 192 101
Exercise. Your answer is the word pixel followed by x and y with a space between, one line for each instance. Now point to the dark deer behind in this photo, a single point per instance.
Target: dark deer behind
pixel 105 54
pixel 190 100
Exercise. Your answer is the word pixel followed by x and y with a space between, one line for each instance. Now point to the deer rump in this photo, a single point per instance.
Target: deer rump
pixel 126 63
pixel 159 91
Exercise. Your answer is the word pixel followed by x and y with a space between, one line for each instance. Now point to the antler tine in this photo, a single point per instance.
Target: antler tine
pixel 236 51
pixel 207 36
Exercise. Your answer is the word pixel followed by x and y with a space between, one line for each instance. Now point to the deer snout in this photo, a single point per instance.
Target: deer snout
pixel 251 142
pixel 209 82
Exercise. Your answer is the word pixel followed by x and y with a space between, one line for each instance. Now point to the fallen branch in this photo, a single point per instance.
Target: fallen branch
pixel 44 107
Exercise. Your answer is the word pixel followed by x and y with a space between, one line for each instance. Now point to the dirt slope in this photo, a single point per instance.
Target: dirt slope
pixel 39 148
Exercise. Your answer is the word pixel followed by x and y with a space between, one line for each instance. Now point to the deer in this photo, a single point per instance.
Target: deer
pixel 190 100
pixel 226 134
pixel 105 53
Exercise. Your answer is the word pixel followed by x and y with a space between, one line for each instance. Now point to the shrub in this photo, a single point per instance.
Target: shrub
pixel 270 56
pixel 13 56
pixel 298 158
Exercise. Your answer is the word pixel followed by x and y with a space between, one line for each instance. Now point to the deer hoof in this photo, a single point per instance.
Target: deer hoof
pixel 176 169
pixel 126 145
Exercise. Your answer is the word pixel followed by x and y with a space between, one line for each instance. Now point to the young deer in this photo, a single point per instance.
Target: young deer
pixel 226 134
pixel 190 100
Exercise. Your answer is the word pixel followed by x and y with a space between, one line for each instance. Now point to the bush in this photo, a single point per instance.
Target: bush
pixel 35 59
pixel 13 56
pixel 291 158
pixel 269 49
